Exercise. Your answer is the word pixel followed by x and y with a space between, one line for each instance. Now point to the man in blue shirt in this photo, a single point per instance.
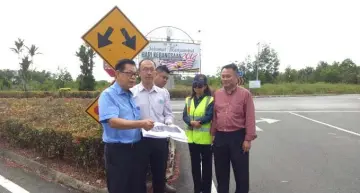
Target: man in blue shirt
pixel 120 119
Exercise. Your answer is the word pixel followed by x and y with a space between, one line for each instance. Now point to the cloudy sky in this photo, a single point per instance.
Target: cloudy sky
pixel 302 32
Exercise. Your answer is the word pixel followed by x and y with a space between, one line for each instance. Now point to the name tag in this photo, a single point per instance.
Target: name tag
pixel 161 101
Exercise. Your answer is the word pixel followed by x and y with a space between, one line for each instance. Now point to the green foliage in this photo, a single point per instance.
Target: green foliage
pixel 81 151
pixel 306 89
pixel 43 81
pixel 40 94
pixel 62 78
pixel 184 91
pixel 345 72
pixel 268 64
pixel 86 79
pixel 25 61
pixel 59 130
pixel 86 83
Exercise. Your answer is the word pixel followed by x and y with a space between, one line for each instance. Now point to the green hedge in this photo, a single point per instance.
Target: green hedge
pixel 306 89
pixel 182 92
pixel 44 94
pixel 85 151
pixel 175 93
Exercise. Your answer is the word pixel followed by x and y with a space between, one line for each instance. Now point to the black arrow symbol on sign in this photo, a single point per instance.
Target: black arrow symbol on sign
pixel 129 42
pixel 103 40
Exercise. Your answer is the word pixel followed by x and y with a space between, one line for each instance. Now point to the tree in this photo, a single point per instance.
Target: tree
pixel 62 78
pixel 266 64
pixel 348 70
pixel 24 71
pixel 25 60
pixel 86 79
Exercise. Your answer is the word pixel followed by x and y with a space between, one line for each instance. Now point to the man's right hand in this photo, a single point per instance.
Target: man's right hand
pixel 147 124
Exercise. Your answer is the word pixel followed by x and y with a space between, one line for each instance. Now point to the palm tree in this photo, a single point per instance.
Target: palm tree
pixel 24 71
pixel 19 47
pixel 32 50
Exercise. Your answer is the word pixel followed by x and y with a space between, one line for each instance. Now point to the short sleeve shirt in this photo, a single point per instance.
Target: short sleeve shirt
pixel 114 102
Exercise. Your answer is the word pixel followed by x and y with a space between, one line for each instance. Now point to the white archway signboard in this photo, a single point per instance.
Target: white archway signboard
pixel 177 56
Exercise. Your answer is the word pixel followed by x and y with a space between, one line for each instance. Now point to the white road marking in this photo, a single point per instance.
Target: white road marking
pixel 258 129
pixel 213 188
pixel 315 111
pixel 12 187
pixel 270 121
pixel 332 126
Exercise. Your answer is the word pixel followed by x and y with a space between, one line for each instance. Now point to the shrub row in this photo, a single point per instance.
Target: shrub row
pixel 266 89
pixel 83 151
pixel 306 89
pixel 175 93
pixel 44 94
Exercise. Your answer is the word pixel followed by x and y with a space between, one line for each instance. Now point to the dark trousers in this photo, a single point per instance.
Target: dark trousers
pixel 228 148
pixel 201 155
pixel 121 163
pixel 155 154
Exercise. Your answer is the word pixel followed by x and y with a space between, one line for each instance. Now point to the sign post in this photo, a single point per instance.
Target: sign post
pixel 113 38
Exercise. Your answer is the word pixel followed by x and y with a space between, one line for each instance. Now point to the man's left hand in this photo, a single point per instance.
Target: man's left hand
pixel 168 123
pixel 246 146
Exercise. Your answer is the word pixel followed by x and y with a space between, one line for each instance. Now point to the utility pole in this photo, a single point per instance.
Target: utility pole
pixel 258 62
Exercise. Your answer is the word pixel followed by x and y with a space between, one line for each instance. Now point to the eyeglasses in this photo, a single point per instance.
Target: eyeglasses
pixel 130 74
pixel 198 85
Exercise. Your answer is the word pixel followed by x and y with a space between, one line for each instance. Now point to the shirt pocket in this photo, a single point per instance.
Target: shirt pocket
pixel 237 109
pixel 137 113
pixel 158 105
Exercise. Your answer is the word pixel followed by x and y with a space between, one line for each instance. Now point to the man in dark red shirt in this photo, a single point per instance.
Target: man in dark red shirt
pixel 233 129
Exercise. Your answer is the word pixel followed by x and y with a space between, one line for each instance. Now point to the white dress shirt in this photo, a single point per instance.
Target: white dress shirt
pixel 154 104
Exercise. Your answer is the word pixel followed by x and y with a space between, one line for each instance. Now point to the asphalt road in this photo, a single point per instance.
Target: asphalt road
pixel 14 179
pixel 305 144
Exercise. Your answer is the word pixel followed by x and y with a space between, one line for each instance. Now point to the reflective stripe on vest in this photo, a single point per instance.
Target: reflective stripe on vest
pixel 200 135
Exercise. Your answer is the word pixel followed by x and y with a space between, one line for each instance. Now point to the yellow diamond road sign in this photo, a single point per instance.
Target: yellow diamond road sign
pixel 115 37
pixel 93 108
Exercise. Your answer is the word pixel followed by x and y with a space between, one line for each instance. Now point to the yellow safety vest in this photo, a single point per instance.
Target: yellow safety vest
pixel 198 135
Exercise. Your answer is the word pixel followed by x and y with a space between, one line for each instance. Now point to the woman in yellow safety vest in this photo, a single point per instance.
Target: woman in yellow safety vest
pixel 197 115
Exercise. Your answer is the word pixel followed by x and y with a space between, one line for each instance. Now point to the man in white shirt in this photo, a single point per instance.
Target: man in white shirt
pixel 154 104
pixel 160 80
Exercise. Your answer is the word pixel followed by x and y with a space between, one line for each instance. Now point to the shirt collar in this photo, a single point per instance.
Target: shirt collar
pixel 154 88
pixel 202 96
pixel 232 91
pixel 119 90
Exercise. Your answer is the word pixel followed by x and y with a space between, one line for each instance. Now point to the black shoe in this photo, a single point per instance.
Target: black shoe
pixel 169 189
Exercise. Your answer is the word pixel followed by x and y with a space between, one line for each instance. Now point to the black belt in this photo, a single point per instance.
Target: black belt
pixel 122 144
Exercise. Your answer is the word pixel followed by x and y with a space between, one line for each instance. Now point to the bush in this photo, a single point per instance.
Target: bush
pixel 306 89
pixel 184 91
pixel 44 94
pixel 83 151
